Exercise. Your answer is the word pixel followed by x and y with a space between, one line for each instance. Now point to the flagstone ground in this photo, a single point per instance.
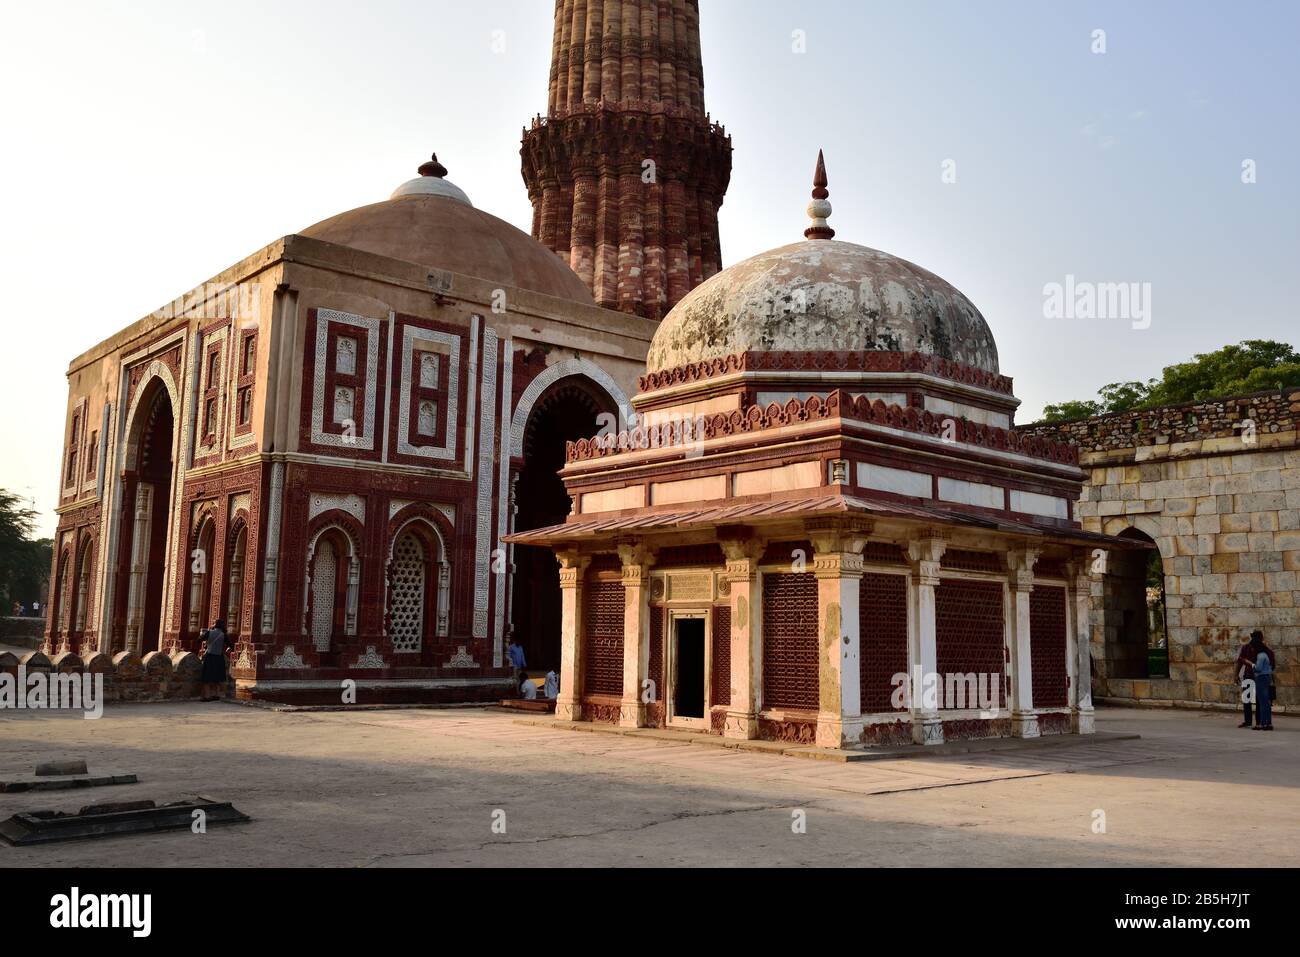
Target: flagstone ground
pixel 421 787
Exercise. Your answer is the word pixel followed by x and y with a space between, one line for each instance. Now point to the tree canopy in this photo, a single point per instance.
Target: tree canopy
pixel 1255 365
pixel 24 561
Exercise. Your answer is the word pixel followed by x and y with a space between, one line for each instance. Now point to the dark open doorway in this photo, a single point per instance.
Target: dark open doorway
pixel 569 410
pixel 688 670
pixel 1134 614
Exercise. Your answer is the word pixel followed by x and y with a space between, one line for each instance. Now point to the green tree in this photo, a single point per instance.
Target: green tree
pixel 1255 365
pixel 24 562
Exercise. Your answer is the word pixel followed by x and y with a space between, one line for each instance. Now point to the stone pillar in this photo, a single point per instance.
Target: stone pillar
pixel 139 566
pixel 746 636
pixel 568 705
pixel 1080 645
pixel 1020 565
pixel 925 554
pixel 837 565
pixel 636 560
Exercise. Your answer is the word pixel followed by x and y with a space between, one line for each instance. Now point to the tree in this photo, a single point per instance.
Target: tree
pixel 1255 365
pixel 24 562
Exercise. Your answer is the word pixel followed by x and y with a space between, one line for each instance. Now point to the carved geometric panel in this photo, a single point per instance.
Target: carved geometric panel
pixel 1047 646
pixel 882 626
pixel 969 628
pixel 790 674
pixel 603 638
pixel 406 594
pixel 720 678
pixel 324 574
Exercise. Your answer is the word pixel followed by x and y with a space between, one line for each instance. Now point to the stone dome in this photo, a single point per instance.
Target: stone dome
pixel 430 221
pixel 823 295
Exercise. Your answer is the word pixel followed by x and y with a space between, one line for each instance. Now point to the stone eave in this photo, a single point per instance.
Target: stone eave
pixel 719 451
pixel 849 380
pixel 608 528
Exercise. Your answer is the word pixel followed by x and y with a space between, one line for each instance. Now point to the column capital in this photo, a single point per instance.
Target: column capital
pixel 742 556
pixel 843 535
pixel 925 553
pixel 1020 565
pixel 635 555
pixel 572 566
pixel 838 564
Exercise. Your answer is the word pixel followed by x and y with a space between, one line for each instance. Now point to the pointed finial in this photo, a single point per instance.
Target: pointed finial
pixel 432 168
pixel 820 208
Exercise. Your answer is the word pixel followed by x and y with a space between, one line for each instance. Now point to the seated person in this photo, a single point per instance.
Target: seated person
pixel 528 689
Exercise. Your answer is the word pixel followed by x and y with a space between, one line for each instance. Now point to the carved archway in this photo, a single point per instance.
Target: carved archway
pixel 570 408
pixel 146 490
pixel 331 580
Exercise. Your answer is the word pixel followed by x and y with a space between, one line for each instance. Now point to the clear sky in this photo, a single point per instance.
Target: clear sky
pixel 149 145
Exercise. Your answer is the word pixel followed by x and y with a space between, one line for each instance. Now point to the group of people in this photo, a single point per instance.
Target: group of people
pixel 20 610
pixel 1256 665
pixel 526 686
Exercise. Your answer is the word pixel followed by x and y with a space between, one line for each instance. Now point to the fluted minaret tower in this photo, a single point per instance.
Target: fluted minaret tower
pixel 626 171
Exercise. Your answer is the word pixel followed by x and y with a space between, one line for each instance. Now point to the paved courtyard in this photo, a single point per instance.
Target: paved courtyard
pixel 425 787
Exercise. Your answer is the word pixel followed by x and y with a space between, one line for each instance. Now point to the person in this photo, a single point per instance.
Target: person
pixel 1246 675
pixel 213 673
pixel 528 689
pixel 515 652
pixel 1264 692
pixel 36 609
pixel 551 688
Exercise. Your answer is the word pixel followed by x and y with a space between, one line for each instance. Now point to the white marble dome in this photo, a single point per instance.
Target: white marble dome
pixel 823 295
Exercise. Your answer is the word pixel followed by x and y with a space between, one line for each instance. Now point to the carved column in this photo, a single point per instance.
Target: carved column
pixel 139 566
pixel 746 636
pixel 1020 564
pixel 568 705
pixel 1080 649
pixel 837 565
pixel 636 560
pixel 925 554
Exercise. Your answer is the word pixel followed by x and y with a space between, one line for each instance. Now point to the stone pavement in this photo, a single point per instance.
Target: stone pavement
pixel 424 787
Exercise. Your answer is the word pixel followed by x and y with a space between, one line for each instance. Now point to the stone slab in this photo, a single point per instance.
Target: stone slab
pixel 34 782
pixel 140 817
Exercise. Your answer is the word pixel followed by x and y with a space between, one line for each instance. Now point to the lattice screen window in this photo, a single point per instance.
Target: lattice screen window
pixel 882 626
pixel 657 651
pixel 969 628
pixel 790 676
pixel 1047 646
pixel 603 638
pixel 324 578
pixel 406 580
pixel 721 673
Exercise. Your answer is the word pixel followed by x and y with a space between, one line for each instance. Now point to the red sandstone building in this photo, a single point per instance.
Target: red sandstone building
pixel 327 443
pixel 341 443
pixel 825 502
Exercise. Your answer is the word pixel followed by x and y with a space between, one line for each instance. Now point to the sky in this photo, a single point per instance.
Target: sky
pixel 1006 145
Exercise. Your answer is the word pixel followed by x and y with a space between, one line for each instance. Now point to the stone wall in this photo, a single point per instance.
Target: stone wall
pixel 127 677
pixel 1216 486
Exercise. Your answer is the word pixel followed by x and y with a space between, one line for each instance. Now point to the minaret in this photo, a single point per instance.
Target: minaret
pixel 626 171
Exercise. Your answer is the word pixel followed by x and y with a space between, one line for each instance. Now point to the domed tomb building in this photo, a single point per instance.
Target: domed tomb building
pixel 823 528
pixel 324 446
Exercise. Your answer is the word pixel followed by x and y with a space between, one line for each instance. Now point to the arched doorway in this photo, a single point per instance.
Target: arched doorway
pixel 1136 644
pixel 570 409
pixel 147 486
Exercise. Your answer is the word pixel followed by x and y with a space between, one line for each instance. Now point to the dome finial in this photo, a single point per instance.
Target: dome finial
pixel 432 168
pixel 820 208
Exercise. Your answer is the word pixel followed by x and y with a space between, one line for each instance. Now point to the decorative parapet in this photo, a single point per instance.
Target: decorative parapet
pixel 1259 414
pixel 839 404
pixel 856 361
